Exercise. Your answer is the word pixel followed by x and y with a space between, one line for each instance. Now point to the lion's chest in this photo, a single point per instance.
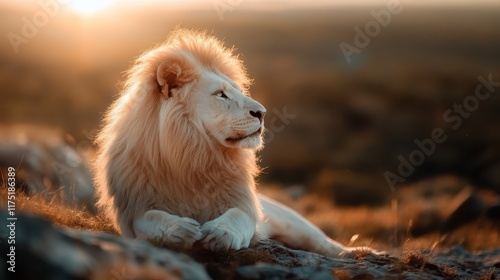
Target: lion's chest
pixel 203 203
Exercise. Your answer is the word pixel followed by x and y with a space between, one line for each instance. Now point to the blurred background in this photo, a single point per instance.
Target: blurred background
pixel 350 86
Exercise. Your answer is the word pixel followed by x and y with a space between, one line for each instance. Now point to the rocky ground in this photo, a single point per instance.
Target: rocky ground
pixel 45 251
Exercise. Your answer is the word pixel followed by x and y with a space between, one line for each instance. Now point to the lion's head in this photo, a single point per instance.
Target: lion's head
pixel 215 102
pixel 197 77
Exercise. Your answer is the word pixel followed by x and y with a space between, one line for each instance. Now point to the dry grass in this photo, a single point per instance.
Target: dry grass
pixel 390 226
pixel 489 276
pixel 360 254
pixel 58 213
pixel 450 272
pixel 414 259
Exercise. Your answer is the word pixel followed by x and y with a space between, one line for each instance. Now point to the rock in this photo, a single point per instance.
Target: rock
pixel 278 272
pixel 47 165
pixel 468 262
pixel 43 251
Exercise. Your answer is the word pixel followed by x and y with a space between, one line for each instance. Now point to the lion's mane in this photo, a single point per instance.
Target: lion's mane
pixel 153 154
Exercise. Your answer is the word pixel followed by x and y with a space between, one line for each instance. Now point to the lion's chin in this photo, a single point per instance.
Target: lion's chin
pixel 240 138
pixel 252 141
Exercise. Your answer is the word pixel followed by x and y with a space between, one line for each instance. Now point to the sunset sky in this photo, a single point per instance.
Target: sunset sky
pixel 94 6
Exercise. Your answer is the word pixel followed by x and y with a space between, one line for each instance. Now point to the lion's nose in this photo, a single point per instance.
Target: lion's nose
pixel 258 114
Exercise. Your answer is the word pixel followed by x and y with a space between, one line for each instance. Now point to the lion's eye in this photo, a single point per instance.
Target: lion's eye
pixel 220 94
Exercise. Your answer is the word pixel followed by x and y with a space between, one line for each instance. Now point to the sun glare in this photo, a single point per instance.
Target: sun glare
pixel 90 6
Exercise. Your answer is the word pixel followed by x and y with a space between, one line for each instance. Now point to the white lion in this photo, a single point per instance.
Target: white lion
pixel 176 159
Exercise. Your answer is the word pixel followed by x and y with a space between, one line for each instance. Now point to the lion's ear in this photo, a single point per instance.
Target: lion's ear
pixel 173 74
pixel 167 74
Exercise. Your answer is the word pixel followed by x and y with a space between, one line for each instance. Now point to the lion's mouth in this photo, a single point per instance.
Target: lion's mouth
pixel 236 139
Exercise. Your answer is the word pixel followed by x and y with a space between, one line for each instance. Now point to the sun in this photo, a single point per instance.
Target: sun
pixel 88 7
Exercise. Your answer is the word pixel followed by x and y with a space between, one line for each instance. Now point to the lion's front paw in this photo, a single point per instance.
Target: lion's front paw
pixel 183 233
pixel 167 230
pixel 220 236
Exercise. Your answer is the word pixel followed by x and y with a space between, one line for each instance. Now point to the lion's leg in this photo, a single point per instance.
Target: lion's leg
pixel 287 226
pixel 161 228
pixel 232 230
